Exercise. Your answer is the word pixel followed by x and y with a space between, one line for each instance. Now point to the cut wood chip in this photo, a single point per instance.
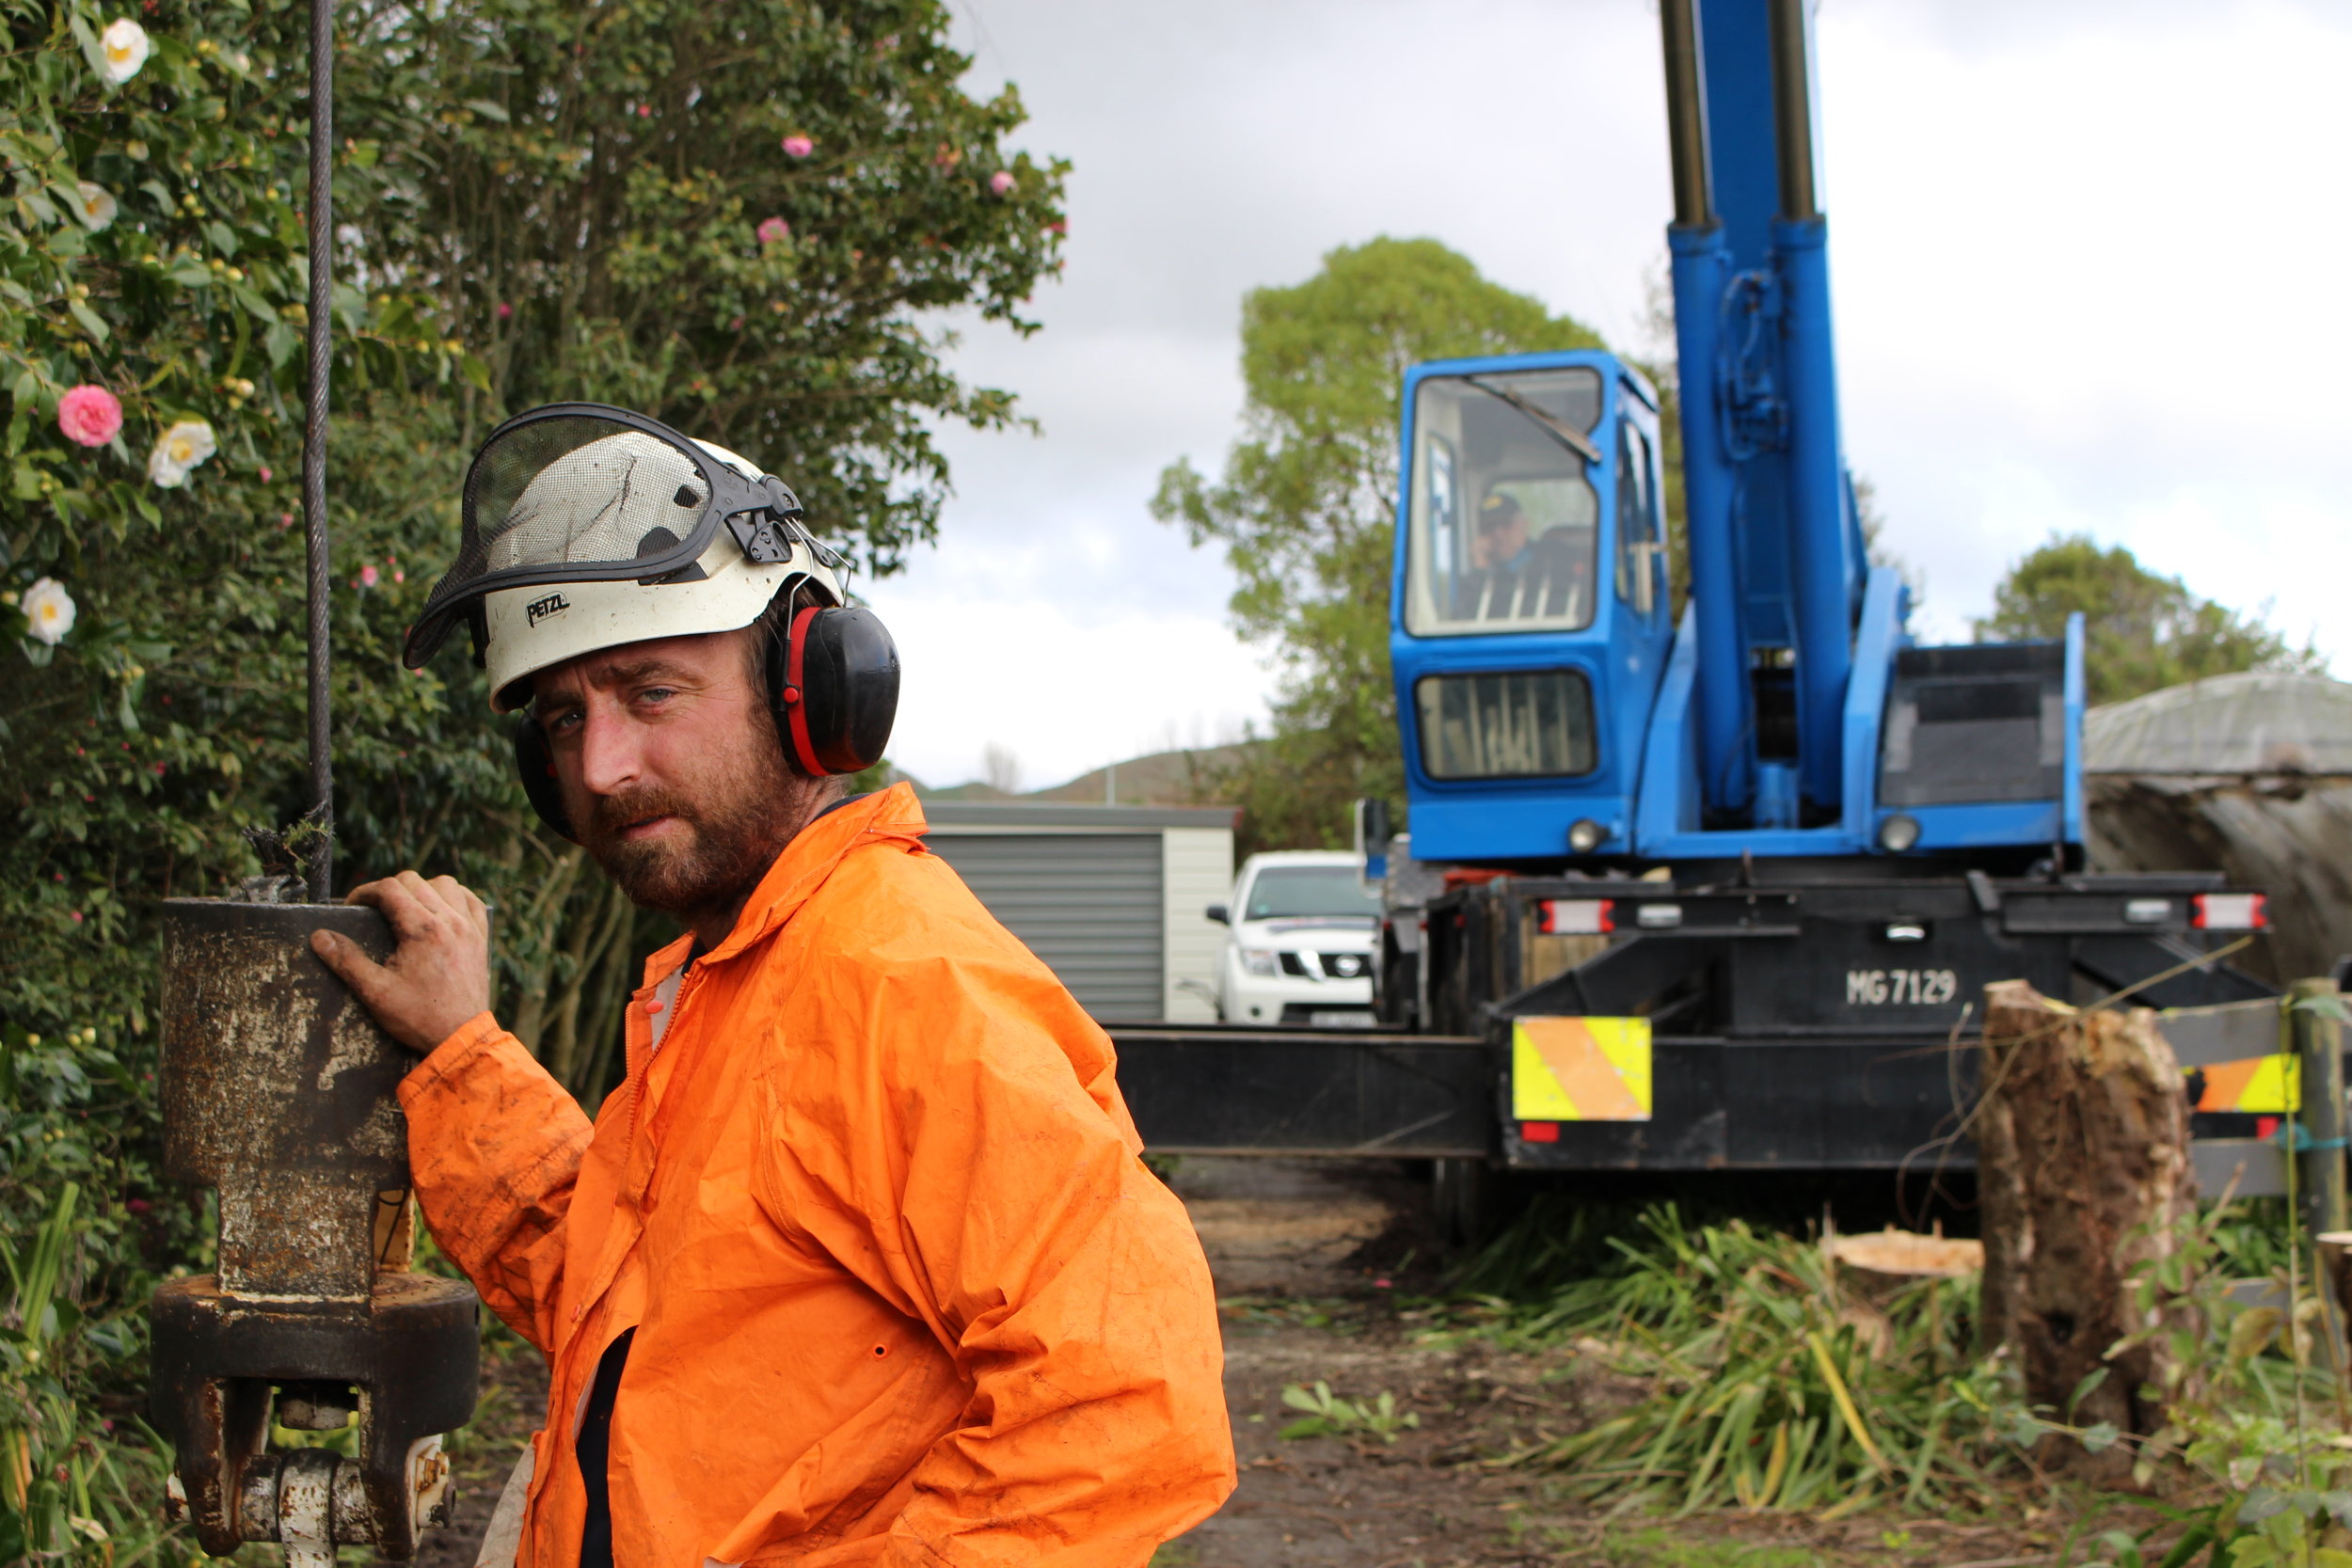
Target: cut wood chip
pixel 1906 1254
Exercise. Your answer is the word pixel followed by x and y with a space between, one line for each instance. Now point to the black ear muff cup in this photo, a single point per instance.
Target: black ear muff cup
pixel 837 693
pixel 535 763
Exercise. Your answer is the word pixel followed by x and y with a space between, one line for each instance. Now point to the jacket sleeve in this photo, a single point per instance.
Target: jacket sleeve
pixel 943 1146
pixel 495 1146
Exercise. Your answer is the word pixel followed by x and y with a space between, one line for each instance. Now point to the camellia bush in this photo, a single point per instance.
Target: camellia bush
pixel 743 219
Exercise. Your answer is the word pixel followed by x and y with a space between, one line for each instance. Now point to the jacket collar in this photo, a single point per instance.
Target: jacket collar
pixel 809 859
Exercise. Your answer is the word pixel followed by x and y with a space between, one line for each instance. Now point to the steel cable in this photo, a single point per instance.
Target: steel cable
pixel 322 235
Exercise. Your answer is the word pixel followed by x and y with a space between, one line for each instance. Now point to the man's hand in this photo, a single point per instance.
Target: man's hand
pixel 438 977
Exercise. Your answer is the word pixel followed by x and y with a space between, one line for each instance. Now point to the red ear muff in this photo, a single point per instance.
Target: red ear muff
pixel 793 699
pixel 836 691
pixel 535 761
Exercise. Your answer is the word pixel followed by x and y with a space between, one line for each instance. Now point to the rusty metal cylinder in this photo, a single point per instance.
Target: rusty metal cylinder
pixel 279 1092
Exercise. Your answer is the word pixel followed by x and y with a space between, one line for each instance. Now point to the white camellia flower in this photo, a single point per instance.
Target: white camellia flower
pixel 183 445
pixel 124 46
pixel 50 609
pixel 93 205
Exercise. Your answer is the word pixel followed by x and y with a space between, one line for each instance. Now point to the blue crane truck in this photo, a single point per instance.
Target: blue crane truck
pixel 1706 889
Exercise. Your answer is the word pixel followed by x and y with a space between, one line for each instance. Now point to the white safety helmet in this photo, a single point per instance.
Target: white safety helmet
pixel 587 526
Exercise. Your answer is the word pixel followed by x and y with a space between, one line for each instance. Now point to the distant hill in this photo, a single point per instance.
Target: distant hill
pixel 1183 778
pixel 1163 779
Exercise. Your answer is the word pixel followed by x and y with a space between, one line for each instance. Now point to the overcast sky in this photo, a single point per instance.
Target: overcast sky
pixel 2088 261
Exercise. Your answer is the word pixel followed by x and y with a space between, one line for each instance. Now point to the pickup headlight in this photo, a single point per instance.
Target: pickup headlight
pixel 1258 960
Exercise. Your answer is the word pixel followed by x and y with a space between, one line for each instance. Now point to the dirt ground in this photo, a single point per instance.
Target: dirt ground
pixel 1315 1265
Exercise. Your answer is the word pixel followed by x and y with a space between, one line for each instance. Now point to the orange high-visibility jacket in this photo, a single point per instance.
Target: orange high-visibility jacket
pixel 903 1290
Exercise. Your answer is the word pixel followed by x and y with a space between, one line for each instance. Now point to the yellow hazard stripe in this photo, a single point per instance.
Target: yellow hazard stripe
pixel 1580 1069
pixel 2272 1085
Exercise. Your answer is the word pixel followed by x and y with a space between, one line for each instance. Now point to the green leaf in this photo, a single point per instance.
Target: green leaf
pixel 2100 1437
pixel 223 238
pixel 2253 1331
pixel 1298 1399
pixel 93 51
pixel 486 109
pixel 88 318
pixel 1313 1426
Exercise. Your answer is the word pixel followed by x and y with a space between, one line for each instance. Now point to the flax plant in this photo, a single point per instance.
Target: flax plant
pixel 1776 1383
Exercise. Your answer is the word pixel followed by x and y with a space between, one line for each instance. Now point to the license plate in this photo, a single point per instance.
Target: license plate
pixel 1338 1020
pixel 1900 988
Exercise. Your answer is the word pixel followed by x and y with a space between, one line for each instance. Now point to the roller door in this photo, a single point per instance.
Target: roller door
pixel 1089 904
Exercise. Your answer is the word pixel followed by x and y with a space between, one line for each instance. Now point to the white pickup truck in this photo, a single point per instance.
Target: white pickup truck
pixel 1304 935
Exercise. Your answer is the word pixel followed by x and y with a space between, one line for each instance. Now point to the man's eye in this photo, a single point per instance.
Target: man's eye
pixel 657 694
pixel 562 723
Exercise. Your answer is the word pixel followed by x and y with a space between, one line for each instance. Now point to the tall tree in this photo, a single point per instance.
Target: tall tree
pixel 2143 631
pixel 1306 508
pixel 732 218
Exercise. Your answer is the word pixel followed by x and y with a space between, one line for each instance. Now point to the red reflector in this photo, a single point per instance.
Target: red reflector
pixel 2228 911
pixel 1576 917
pixel 1540 1132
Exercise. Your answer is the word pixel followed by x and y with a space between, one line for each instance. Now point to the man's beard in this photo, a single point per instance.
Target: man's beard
pixel 734 832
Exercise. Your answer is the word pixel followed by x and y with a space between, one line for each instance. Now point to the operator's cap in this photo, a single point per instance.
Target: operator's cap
pixel 586 528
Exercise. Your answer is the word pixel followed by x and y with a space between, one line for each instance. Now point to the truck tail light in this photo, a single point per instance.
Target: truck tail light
pixel 1576 917
pixel 2228 911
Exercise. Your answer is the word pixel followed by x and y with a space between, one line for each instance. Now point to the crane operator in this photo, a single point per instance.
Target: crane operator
pixel 861 1262
pixel 1519 576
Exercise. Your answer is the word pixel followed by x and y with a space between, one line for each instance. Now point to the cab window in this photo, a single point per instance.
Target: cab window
pixel 1640 537
pixel 1503 515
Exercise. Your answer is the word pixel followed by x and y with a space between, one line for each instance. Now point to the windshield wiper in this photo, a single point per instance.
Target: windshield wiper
pixel 1566 435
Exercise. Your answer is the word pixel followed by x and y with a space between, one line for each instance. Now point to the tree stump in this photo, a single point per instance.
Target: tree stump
pixel 2083 1175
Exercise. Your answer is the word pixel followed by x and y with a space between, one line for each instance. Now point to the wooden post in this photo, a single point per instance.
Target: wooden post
pixel 2318 1042
pixel 2083 1174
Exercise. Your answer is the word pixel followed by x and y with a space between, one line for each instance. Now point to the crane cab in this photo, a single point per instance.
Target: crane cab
pixel 1530 615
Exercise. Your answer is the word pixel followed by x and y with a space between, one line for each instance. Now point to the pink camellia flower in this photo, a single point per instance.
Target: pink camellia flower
pixel 1000 181
pixel 799 147
pixel 74 915
pixel 773 232
pixel 644 111
pixel 138 1204
pixel 368 576
pixel 90 416
pixel 266 475
pixel 285 521
pixel 504 309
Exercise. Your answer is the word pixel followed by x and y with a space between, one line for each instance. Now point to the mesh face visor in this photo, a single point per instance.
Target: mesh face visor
pixel 578 492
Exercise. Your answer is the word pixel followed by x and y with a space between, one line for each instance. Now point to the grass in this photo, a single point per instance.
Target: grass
pixel 1655 1547
pixel 1772 1382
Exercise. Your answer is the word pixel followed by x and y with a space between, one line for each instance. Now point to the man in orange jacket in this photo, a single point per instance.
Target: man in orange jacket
pixel 861 1263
